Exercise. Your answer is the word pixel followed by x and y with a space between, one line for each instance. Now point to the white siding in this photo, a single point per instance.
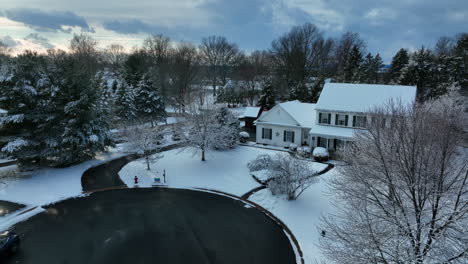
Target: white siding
pixel 277 115
pixel 277 140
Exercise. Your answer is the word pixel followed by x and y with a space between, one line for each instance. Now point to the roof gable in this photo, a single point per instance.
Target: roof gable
pixel 362 97
pixel 291 113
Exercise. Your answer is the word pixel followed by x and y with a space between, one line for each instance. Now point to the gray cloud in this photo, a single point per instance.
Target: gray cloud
pixel 133 26
pixel 47 21
pixel 9 41
pixel 40 40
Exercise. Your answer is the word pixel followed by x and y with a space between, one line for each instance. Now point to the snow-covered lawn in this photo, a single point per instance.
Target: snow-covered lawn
pixel 301 216
pixel 224 170
pixel 44 186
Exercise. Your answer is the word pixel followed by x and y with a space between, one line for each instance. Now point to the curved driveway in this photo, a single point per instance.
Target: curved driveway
pixel 155 225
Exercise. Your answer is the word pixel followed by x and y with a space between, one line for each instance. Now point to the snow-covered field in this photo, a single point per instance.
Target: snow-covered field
pixel 303 215
pixel 224 170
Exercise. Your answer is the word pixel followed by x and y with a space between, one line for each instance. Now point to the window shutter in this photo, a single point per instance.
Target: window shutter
pixel 354 121
pixel 334 144
pixel 346 120
pixel 284 136
pixel 271 133
pixel 336 119
pixel 329 118
pixel 365 121
pixel 292 136
pixel 320 118
pixel 263 132
pixel 318 141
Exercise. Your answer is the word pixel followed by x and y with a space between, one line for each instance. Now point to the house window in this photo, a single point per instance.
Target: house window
pixel 341 120
pixel 266 133
pixel 359 121
pixel 322 142
pixel 324 118
pixel 288 136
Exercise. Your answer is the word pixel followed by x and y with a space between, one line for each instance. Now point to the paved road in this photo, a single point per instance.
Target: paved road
pixel 152 226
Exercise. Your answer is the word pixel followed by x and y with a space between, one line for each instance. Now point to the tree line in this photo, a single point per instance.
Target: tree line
pixel 61 105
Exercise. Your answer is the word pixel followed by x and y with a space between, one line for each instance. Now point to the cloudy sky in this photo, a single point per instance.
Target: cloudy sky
pixel 385 25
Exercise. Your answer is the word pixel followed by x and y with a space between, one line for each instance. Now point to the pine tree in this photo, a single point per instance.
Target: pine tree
pixel 24 94
pixel 228 128
pixel 420 71
pixel 367 69
pixel 85 126
pixel 125 108
pixel 399 61
pixel 377 65
pixel 148 103
pixel 301 92
pixel 267 98
pixel 352 70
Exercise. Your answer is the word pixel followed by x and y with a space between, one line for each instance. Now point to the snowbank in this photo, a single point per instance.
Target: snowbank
pixel 303 215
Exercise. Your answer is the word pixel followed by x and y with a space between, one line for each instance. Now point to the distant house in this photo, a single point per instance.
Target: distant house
pixel 251 114
pixel 341 109
pixel 285 124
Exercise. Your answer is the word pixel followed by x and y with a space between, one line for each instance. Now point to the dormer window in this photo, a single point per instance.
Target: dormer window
pixel 324 118
pixel 341 120
pixel 359 121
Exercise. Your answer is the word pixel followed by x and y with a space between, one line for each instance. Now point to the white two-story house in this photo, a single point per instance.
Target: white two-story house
pixel 285 124
pixel 342 109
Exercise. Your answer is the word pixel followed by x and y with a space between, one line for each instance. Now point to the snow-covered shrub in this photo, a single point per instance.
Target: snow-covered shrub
pixel 285 174
pixel 293 147
pixel 320 154
pixel 260 163
pixel 304 151
pixel 176 135
pixel 243 136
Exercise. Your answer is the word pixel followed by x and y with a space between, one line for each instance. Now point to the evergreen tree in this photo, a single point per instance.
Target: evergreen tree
pixel 84 123
pixel 301 92
pixel 148 103
pixel 420 71
pixel 399 61
pixel 228 126
pixel 125 108
pixel 24 94
pixel 461 57
pixel 352 70
pixel 267 98
pixel 377 65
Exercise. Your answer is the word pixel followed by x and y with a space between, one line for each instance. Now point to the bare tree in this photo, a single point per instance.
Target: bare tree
pixel 202 130
pixel 159 49
pixel 403 198
pixel 343 50
pixel 295 53
pixel 4 49
pixel 287 175
pixel 84 49
pixel 220 57
pixel 185 69
pixel 253 73
pixel 145 141
pixel 115 55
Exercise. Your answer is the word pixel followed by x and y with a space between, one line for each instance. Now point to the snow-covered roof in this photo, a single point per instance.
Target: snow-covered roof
pixel 349 97
pixel 303 113
pixel 339 132
pixel 2 111
pixel 251 111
